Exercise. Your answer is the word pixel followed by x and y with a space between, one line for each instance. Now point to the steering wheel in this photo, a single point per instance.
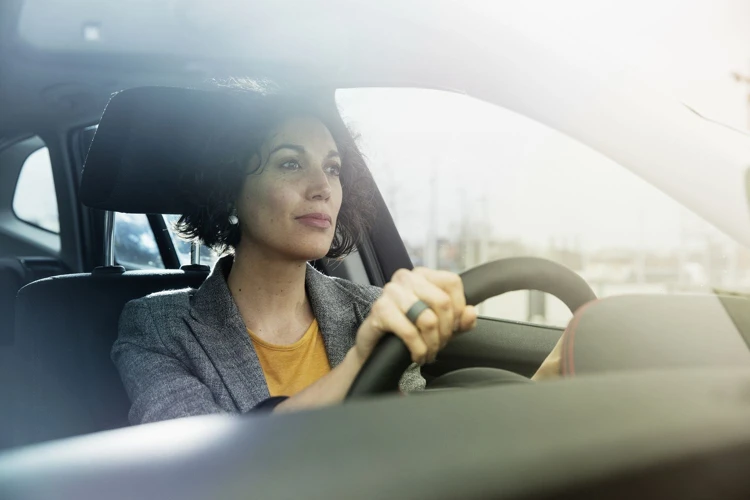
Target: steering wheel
pixel 390 357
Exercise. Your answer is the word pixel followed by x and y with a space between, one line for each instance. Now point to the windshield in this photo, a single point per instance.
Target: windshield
pixel 495 184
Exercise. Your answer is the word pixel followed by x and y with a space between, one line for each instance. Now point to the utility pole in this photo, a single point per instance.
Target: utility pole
pixel 744 79
pixel 682 279
pixel 431 247
pixel 464 234
pixel 733 251
pixel 640 270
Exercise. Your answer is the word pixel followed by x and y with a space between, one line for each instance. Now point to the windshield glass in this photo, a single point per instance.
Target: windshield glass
pixel 468 182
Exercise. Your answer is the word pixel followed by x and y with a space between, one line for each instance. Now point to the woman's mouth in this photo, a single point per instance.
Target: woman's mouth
pixel 319 220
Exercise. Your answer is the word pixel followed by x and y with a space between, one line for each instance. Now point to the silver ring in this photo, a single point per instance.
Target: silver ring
pixel 415 310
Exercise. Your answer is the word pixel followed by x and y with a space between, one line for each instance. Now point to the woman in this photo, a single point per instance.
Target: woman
pixel 266 330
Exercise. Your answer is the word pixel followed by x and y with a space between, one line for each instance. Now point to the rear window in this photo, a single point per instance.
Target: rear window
pixel 135 245
pixel 208 256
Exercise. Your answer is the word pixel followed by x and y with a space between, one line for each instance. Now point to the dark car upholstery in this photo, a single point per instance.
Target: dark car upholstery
pixel 15 272
pixel 63 382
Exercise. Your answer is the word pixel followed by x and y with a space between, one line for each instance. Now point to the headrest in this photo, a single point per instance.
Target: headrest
pixel 147 138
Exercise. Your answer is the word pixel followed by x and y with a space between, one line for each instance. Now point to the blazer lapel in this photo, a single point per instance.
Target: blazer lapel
pixel 222 334
pixel 339 313
pixel 220 330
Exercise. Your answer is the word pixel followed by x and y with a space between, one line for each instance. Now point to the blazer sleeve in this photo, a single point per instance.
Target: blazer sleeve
pixel 412 380
pixel 159 385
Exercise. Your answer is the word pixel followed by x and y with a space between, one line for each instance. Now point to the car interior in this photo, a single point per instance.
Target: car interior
pixel 106 115
pixel 130 168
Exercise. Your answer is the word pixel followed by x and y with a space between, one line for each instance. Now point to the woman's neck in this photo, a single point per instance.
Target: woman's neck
pixel 270 295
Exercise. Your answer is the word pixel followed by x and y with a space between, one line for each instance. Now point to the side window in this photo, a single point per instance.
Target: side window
pixel 135 246
pixel 468 182
pixel 34 199
pixel 182 247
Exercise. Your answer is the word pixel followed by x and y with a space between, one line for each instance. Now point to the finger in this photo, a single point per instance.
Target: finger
pixel 451 284
pixel 438 301
pixel 468 320
pixel 428 325
pixel 389 317
pixel 428 322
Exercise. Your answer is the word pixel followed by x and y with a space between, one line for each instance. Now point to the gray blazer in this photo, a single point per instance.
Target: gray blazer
pixel 187 352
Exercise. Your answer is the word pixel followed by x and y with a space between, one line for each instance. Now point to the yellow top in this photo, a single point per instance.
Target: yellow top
pixel 290 368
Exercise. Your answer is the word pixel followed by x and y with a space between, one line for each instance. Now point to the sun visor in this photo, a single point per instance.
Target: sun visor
pixel 148 139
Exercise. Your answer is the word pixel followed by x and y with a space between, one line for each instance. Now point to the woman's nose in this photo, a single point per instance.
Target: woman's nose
pixel 319 187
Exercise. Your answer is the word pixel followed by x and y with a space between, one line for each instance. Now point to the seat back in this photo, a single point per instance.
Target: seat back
pixel 15 272
pixel 63 380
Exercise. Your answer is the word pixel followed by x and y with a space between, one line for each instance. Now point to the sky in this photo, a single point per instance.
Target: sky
pixel 517 179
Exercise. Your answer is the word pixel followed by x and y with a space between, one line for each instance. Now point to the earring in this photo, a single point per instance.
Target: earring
pixel 233 219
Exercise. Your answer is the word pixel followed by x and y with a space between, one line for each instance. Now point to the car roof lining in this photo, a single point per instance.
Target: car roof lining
pixel 53 79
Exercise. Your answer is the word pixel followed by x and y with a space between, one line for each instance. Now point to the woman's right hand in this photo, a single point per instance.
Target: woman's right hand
pixel 442 291
pixel 448 313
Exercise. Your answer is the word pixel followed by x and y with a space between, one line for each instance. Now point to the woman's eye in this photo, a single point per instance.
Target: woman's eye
pixel 291 165
pixel 334 170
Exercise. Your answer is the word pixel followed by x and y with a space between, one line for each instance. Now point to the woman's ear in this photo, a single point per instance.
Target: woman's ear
pixel 233 219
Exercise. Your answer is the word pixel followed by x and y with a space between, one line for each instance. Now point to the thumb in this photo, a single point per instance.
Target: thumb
pixel 468 319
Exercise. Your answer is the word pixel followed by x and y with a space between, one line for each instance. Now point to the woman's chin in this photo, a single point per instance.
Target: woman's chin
pixel 310 251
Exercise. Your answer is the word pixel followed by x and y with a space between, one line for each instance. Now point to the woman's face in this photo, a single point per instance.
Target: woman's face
pixel 290 205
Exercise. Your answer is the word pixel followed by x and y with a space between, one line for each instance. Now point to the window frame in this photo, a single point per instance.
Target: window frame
pixel 29 238
pixel 164 241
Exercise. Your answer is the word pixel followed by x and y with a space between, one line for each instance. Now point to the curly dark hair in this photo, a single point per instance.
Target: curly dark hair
pixel 252 110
